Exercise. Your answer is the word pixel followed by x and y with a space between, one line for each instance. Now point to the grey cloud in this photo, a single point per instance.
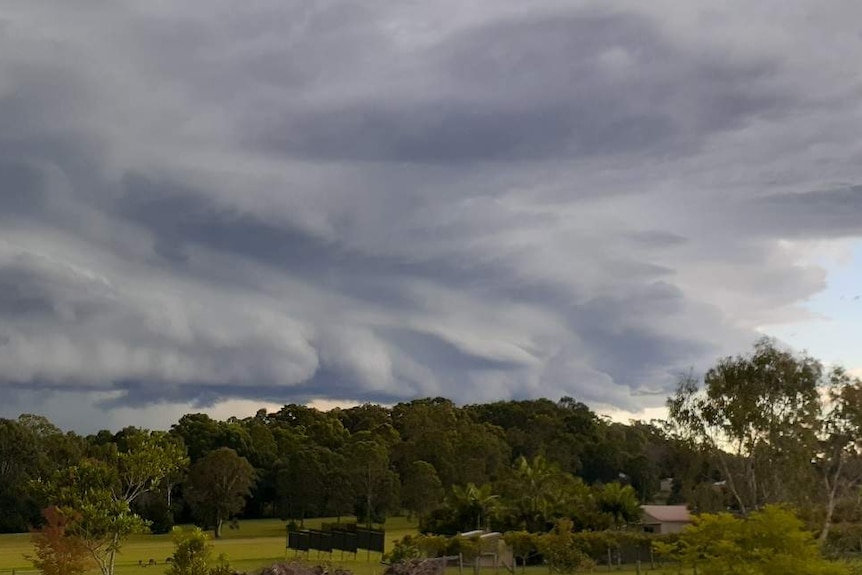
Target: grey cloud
pixel 32 288
pixel 375 202
pixel 566 86
pixel 836 212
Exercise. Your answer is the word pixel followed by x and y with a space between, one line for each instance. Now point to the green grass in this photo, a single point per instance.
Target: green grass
pixel 256 544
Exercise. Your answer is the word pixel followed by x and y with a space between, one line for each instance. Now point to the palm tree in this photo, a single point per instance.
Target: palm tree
pixel 475 503
pixel 539 482
pixel 619 502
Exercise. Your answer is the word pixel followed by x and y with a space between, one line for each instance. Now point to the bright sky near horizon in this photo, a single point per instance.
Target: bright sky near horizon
pixel 834 333
pixel 221 206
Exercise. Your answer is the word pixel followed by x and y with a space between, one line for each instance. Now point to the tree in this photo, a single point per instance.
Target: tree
pixel 838 460
pixel 619 503
pixel 102 492
pixel 19 463
pixel 535 492
pixel 57 550
pixel 193 555
pixel 145 460
pixel 200 433
pixel 88 491
pixel 758 414
pixel 192 552
pixel 768 541
pixel 313 481
pixel 474 505
pixel 218 484
pixel 421 489
pixel 30 447
pixel 374 484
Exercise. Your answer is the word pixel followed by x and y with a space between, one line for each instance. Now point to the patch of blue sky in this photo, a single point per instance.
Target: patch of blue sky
pixel 834 335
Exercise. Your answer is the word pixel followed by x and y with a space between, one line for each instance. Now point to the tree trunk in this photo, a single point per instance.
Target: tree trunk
pixel 831 496
pixel 112 555
pixel 831 492
pixel 218 523
pixel 827 522
pixel 732 484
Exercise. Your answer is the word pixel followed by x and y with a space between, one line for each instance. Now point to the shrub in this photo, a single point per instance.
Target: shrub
pixel 193 553
pixel 559 549
pixel 58 552
pixel 769 541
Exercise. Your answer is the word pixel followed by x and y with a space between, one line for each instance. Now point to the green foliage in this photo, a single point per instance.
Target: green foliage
pixel 192 552
pixel 523 545
pixel 432 545
pixel 764 408
pixel 88 491
pixel 560 551
pixel 421 488
pixel 474 505
pixel 537 492
pixel 405 549
pixel 618 503
pixel 100 493
pixel 217 486
pixel 509 466
pixel 769 541
pixel 193 555
pixel 30 447
pixel 374 484
pixel 468 547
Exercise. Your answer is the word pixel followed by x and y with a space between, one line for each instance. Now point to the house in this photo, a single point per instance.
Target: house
pixel 665 518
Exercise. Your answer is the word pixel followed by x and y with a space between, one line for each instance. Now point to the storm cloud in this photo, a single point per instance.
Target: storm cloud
pixel 290 201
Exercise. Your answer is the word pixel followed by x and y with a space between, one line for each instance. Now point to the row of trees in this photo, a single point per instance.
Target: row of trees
pixel 369 460
pixel 770 426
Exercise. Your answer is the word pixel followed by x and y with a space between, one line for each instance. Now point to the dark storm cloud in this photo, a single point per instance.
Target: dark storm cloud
pixel 373 201
pixel 565 86
pixel 836 212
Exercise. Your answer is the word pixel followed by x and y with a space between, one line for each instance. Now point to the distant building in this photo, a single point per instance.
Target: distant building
pixel 665 518
pixel 493 551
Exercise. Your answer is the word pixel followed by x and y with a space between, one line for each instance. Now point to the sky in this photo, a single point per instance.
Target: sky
pixel 216 206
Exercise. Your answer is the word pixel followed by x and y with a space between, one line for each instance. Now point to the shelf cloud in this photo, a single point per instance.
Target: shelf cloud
pixel 367 201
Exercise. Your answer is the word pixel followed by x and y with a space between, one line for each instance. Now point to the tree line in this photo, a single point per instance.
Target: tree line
pixel 769 426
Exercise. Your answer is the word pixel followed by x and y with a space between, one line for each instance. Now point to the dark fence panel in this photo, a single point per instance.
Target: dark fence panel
pixel 298 540
pixel 341 537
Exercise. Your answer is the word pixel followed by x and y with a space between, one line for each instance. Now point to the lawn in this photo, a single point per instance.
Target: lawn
pixel 256 544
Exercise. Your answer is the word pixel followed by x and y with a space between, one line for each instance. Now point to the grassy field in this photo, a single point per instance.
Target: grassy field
pixel 256 544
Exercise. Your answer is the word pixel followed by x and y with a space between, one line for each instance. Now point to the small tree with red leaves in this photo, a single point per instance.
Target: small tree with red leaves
pixel 58 552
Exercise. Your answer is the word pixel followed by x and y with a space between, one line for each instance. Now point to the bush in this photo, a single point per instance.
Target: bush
pixel 560 551
pixel 57 551
pixel 767 542
pixel 405 549
pixel 193 553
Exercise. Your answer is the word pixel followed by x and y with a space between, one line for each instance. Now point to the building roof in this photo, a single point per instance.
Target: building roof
pixel 667 513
